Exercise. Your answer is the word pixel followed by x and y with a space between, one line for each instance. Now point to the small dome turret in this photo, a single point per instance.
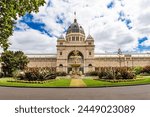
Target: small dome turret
pixel 89 37
pixel 61 37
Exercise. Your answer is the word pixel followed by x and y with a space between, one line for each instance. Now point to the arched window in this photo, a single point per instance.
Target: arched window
pixel 90 43
pixel 60 65
pixel 90 67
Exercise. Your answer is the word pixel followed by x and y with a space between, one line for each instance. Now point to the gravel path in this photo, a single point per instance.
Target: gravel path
pixel 77 83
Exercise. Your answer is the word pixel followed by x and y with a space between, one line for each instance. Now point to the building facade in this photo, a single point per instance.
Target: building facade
pixel 75 52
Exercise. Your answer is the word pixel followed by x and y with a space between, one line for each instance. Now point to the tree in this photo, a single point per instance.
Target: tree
pixel 13 61
pixel 9 11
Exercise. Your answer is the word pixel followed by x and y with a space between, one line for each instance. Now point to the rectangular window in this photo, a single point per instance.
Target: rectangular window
pixel 61 43
pixel 73 38
pixel 60 53
pixel 90 53
pixel 77 38
pixel 80 38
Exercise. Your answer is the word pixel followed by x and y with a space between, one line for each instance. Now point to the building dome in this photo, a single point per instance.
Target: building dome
pixel 75 28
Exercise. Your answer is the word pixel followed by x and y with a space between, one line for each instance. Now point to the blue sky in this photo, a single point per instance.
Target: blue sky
pixel 113 24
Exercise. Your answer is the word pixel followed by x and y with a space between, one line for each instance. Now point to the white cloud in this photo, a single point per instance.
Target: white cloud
pixel 109 34
pixel 31 41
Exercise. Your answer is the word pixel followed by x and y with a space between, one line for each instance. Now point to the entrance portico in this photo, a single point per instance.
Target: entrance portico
pixel 74 51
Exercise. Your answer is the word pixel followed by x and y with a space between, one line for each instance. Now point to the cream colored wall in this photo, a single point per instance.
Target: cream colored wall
pixel 114 62
pixel 96 62
pixel 141 62
pixel 42 62
pixel 69 46
pixel 103 62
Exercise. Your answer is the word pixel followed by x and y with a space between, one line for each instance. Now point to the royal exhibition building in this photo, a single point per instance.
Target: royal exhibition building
pixel 75 52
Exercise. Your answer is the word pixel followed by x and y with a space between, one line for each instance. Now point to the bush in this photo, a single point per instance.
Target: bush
pixel 102 74
pixel 127 75
pixel 146 69
pixel 109 75
pixel 92 73
pixel 61 73
pixel 1 74
pixel 138 70
pixel 145 74
pixel 36 75
pixel 118 73
pixel 21 76
pixel 16 73
pixel 131 75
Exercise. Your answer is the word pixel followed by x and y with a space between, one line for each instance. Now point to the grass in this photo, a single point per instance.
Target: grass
pixel 65 82
pixel 101 83
pixel 51 83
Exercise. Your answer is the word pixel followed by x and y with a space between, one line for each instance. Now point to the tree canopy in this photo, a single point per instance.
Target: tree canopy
pixel 9 11
pixel 13 61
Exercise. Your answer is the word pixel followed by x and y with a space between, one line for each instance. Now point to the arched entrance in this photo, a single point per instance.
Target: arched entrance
pixel 75 62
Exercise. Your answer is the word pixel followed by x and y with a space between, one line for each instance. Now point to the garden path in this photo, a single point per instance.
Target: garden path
pixel 77 83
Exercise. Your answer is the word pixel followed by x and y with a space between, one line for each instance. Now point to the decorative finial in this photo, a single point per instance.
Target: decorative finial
pixel 89 30
pixel 75 20
pixel 75 15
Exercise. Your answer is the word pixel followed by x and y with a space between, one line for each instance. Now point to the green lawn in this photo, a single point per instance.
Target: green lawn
pixel 52 83
pixel 100 83
pixel 64 82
